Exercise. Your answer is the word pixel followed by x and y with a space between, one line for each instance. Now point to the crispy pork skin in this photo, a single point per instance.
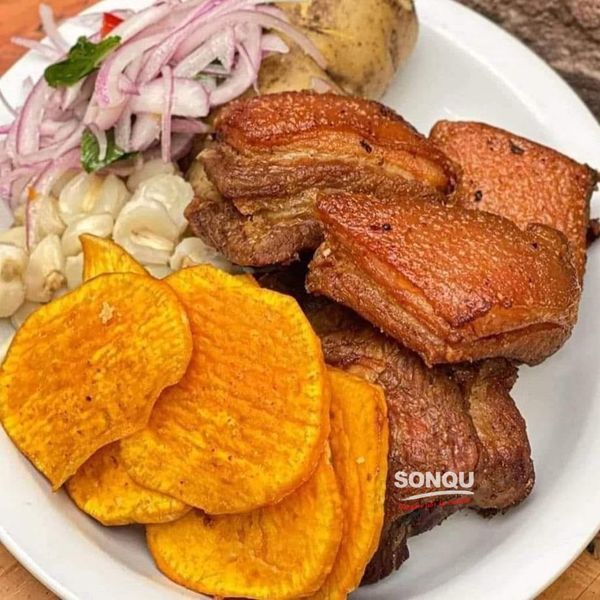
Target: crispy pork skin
pixel 518 179
pixel 452 284
pixel 257 181
pixel 281 144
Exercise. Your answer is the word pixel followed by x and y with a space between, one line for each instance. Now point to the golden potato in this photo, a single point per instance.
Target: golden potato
pixel 293 72
pixel 363 42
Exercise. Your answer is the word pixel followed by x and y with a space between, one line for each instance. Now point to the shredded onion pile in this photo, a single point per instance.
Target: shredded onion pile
pixel 174 62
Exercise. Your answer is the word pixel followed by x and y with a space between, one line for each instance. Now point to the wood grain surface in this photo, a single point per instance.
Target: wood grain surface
pixel 567 32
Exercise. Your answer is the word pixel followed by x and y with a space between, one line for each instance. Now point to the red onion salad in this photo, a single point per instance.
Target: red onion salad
pixel 137 88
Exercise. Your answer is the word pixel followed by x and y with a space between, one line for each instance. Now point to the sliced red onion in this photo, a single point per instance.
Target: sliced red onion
pixel 47 178
pixel 220 47
pixel 30 119
pixel 251 43
pixel 106 118
pixel 273 43
pixel 102 140
pixel 58 129
pixel 146 130
pixel 127 86
pixel 266 21
pixel 140 21
pixel 47 51
pixel 51 30
pixel 6 216
pixel 275 12
pixel 213 69
pixel 168 84
pixel 54 151
pixel 9 183
pixel 181 144
pixel 120 170
pixel 10 144
pixel 123 131
pixel 189 98
pixel 107 84
pixel 20 190
pixel 177 59
pixel 242 77
pixel 71 95
pixel 320 85
pixel 189 126
pixel 163 53
pixel 132 71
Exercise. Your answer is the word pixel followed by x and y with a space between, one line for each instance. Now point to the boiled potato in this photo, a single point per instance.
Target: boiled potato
pixel 293 72
pixel 363 41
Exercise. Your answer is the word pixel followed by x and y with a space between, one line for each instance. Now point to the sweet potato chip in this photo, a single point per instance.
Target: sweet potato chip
pixel 86 369
pixel 103 489
pixel 359 446
pixel 282 551
pixel 247 424
pixel 105 256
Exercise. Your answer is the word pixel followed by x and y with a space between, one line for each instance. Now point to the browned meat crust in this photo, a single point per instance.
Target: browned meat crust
pixel 278 135
pixel 505 474
pixel 518 179
pixel 271 155
pixel 460 419
pixel 452 284
pixel 393 549
pixel 430 427
pixel 392 552
pixel 262 239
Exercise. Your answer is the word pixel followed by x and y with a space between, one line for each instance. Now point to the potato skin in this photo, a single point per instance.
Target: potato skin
pixel 364 42
pixel 295 72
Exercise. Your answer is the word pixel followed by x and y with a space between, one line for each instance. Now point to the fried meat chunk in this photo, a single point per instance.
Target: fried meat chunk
pixel 516 178
pixel 271 155
pixel 452 284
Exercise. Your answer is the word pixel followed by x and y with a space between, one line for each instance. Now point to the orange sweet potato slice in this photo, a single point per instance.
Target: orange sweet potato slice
pixel 87 369
pixel 359 445
pixel 247 424
pixel 281 551
pixel 103 489
pixel 101 255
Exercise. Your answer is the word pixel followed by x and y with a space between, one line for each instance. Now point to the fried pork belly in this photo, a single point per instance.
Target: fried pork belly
pixel 452 284
pixel 271 155
pixel 504 474
pixel 458 419
pixel 518 179
pixel 263 239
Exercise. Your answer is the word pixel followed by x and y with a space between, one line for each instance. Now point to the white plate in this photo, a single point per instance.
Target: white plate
pixel 464 68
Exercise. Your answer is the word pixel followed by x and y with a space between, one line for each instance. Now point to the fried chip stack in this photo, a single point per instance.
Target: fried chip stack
pixel 201 407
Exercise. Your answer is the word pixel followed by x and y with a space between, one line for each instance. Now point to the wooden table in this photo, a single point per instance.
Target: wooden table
pixel 19 17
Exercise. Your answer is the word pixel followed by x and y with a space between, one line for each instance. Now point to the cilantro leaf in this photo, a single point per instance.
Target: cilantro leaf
pixel 83 58
pixel 90 151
